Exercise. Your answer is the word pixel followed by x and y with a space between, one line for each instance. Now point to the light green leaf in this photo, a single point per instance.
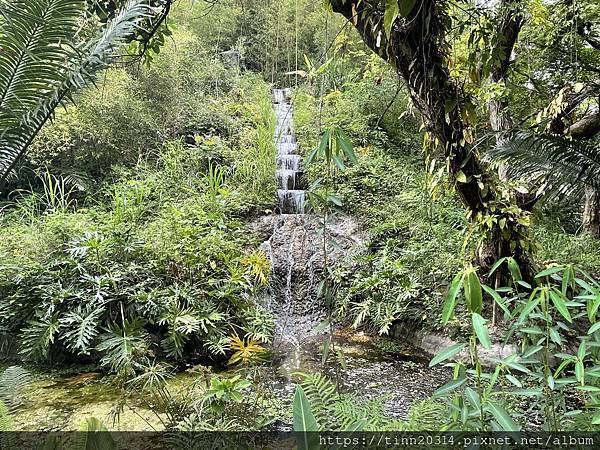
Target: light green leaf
pixel 304 419
pixel 346 146
pixel 449 387
pixel 594 328
pixel 450 302
pixel 499 301
pixel 549 271
pixel 461 177
pixel 481 330
pixel 503 418
pixel 529 307
pixel 473 292
pixel 559 303
pixel 446 353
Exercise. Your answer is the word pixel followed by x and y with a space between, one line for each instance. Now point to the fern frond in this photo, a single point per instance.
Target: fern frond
pixel 322 395
pixel 559 166
pixel 13 381
pixel 6 423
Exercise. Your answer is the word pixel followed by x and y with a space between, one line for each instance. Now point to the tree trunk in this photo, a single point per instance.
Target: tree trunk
pixel 591 211
pixel 415 48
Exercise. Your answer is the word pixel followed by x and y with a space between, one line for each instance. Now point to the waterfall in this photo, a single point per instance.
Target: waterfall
pixel 290 178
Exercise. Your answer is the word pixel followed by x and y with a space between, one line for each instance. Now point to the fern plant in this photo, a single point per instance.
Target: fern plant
pixel 13 381
pixel 336 411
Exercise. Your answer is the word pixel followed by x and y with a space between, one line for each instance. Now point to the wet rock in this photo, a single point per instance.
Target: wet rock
pixel 295 247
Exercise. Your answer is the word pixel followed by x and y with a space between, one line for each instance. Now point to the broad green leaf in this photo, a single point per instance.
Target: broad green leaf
pixel 390 15
pixel 481 330
pixel 567 277
pixel 580 372
pixel 529 307
pixel 549 271
pixel 473 397
pixel 473 292
pixel 450 302
pixel 530 351
pixel 446 353
pixel 339 163
pixel 594 328
pixel 581 351
pixel 563 366
pixel 499 301
pixel 460 177
pixel 496 265
pixel 514 380
pixel 304 420
pixel 527 392
pixel 559 303
pixel 502 417
pixel 515 271
pixel 449 387
pixel 588 388
pixel 346 147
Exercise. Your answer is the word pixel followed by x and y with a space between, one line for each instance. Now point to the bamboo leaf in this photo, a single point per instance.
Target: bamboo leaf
pixel 481 330
pixel 499 301
pixel 560 305
pixel 446 353
pixel 346 147
pixel 450 302
pixel 502 417
pixel 473 292
pixel 449 387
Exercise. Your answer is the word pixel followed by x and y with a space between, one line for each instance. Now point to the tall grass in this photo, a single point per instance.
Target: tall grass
pixel 256 168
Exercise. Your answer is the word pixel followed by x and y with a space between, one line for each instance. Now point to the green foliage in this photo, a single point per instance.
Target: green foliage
pixel 550 366
pixel 165 252
pixel 224 391
pixel 335 411
pixel 13 381
pixel 556 166
pixel 41 35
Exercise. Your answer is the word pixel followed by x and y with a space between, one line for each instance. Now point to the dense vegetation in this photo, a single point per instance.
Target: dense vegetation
pixel 136 165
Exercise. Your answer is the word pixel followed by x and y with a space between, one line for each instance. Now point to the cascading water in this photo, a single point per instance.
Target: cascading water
pixel 290 179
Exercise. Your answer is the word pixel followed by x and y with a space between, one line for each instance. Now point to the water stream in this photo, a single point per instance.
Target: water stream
pixel 290 178
pixel 366 365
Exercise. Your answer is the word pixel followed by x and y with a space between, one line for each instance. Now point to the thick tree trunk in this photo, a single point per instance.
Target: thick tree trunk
pixel 591 212
pixel 415 48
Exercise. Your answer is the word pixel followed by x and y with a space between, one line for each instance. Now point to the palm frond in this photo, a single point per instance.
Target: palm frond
pixel 558 166
pixel 41 69
pixel 34 46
